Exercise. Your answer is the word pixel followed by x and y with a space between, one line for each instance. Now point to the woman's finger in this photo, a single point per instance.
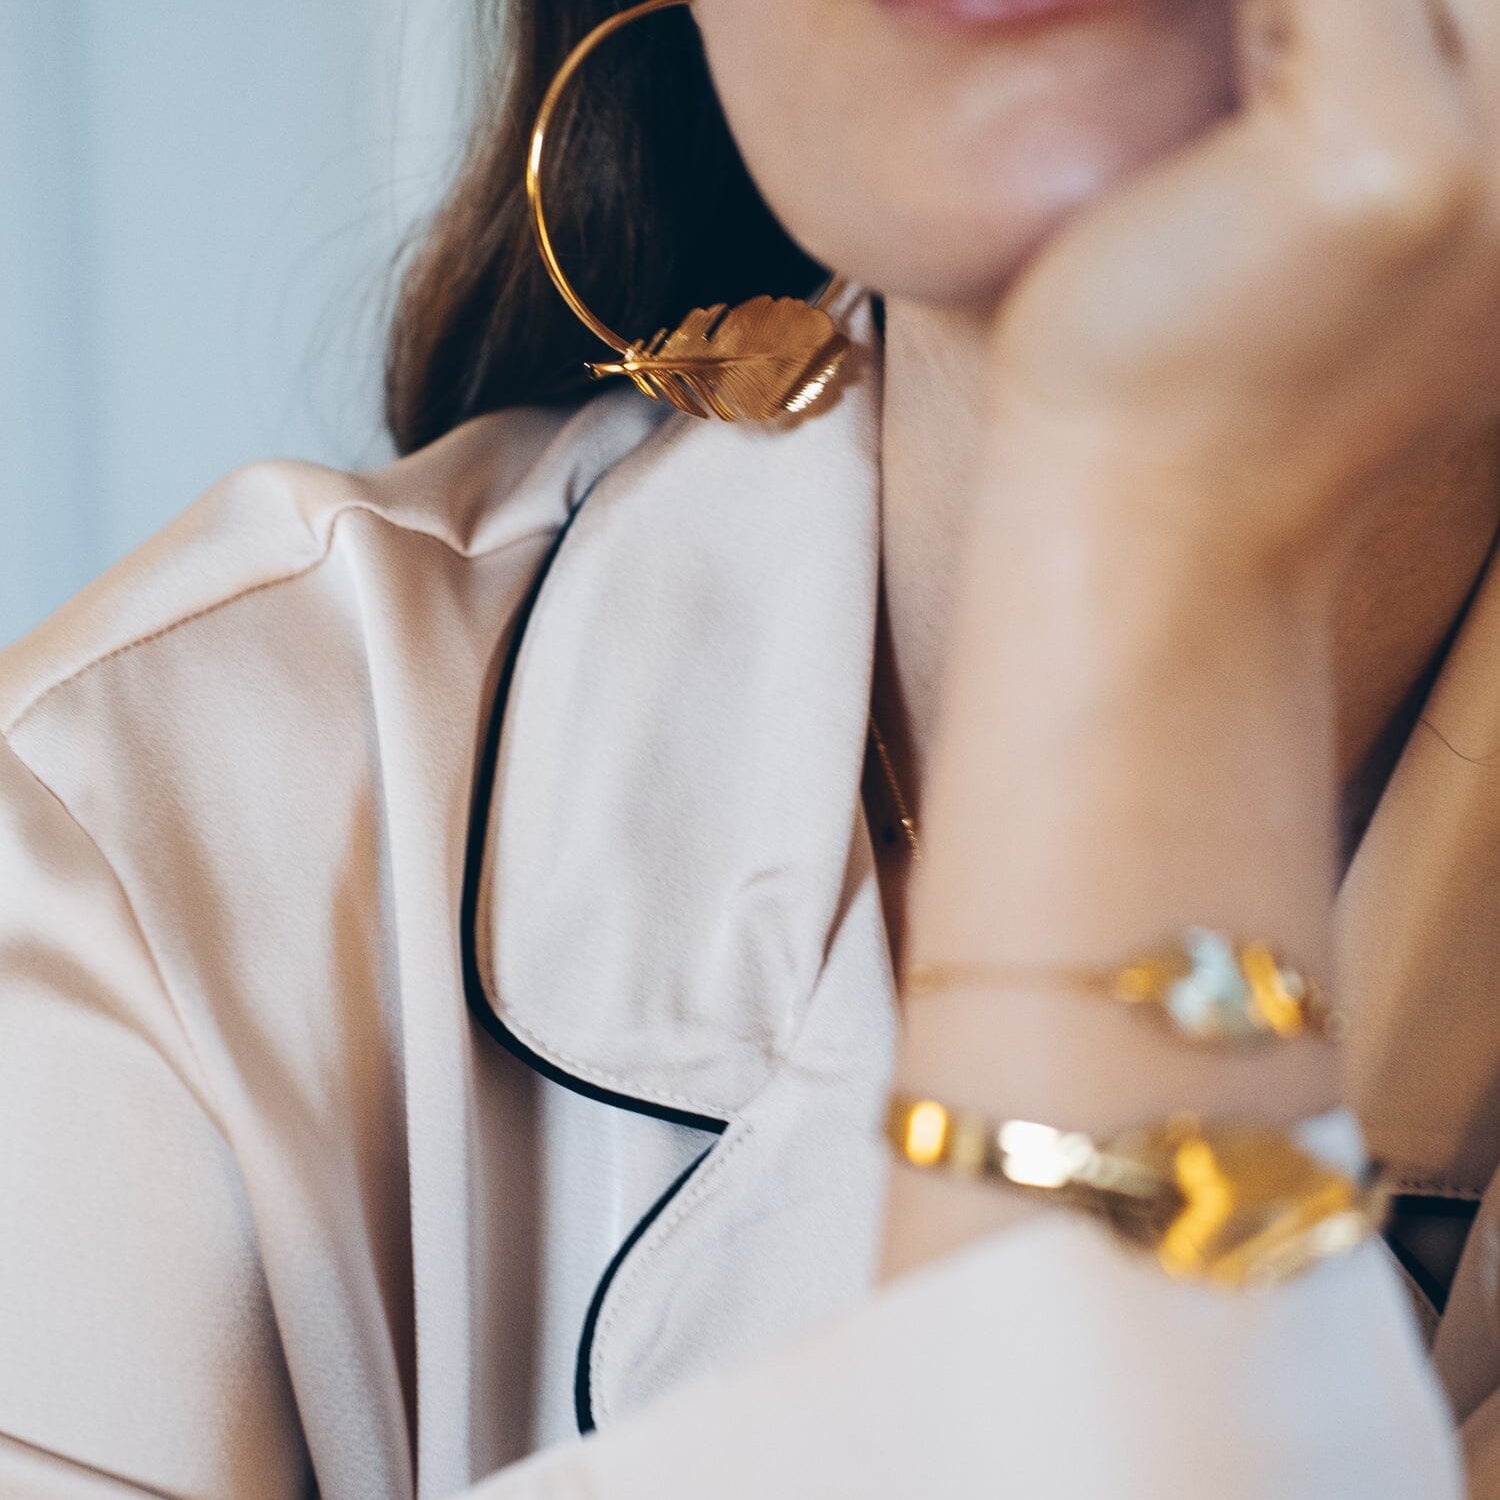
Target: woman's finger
pixel 1473 37
pixel 1370 59
pixel 1382 114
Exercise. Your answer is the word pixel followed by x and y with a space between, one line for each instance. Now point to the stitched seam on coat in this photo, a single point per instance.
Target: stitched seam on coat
pixel 250 590
pixel 199 1088
pixel 201 1091
pixel 77 1466
pixel 700 1186
pixel 589 1072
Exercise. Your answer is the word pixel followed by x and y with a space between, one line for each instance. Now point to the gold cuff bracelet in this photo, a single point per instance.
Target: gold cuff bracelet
pixel 1238 1206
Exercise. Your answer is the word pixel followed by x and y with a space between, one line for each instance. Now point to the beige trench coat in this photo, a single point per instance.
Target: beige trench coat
pixel 299 831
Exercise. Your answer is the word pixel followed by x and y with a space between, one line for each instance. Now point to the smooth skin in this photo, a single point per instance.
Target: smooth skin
pixel 1189 468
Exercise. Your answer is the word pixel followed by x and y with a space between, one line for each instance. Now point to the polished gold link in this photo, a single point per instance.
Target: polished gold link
pixel 1239 1206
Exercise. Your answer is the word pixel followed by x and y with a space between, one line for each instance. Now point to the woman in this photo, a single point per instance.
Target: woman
pixel 450 916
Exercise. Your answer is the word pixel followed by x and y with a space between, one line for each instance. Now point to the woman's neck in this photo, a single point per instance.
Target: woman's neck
pixel 932 432
pixel 1407 577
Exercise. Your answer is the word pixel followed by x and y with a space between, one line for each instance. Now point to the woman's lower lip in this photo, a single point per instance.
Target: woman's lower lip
pixel 995 12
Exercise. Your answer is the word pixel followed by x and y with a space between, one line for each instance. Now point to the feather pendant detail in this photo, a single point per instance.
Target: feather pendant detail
pixel 763 359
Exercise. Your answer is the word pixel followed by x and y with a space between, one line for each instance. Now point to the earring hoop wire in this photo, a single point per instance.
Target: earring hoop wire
pixel 575 60
pixel 765 358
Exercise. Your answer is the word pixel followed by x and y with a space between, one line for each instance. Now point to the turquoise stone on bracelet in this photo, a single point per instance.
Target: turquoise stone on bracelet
pixel 1213 998
pixel 1217 991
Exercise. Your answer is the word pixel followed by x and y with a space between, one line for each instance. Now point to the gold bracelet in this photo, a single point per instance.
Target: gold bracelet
pixel 1206 985
pixel 1239 1206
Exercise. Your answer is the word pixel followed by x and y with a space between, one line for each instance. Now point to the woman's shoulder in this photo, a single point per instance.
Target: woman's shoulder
pixel 269 525
pixel 255 663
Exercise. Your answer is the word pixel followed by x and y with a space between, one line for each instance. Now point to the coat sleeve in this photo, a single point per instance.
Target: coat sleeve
pixel 138 1354
pixel 1045 1364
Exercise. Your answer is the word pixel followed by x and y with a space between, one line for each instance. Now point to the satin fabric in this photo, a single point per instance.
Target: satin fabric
pixel 277 1204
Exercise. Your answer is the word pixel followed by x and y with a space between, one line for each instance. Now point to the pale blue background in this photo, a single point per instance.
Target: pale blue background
pixel 199 200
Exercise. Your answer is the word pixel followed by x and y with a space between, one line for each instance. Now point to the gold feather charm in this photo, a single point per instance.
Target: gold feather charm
pixel 766 358
pixel 763 359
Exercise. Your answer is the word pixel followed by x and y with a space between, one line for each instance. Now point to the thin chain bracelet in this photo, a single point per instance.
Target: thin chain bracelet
pixel 1205 984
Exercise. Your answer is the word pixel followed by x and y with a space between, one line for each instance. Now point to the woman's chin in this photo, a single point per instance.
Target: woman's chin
pixel 940 181
pixel 966 253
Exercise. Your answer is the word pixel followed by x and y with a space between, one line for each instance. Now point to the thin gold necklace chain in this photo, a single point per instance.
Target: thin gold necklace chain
pixel 903 810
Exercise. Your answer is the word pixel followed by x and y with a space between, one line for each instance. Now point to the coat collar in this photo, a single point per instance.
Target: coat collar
pixel 678 784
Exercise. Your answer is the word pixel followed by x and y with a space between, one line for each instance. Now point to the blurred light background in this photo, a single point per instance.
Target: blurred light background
pixel 200 203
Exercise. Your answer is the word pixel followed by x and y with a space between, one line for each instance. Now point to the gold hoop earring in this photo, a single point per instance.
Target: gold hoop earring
pixel 763 359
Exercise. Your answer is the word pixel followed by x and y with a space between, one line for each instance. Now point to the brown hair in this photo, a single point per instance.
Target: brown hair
pixel 649 203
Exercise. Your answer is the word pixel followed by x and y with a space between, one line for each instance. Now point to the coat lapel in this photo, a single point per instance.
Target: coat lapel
pixel 680 761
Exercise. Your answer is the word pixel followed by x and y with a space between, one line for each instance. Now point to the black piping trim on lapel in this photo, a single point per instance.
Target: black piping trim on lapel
pixel 485 1013
pixel 583 1395
pixel 479 817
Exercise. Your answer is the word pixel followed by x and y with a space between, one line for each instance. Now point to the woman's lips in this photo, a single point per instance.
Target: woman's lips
pixel 995 12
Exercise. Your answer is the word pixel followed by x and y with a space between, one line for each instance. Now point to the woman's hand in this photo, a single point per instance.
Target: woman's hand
pixel 1195 383
pixel 1277 312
